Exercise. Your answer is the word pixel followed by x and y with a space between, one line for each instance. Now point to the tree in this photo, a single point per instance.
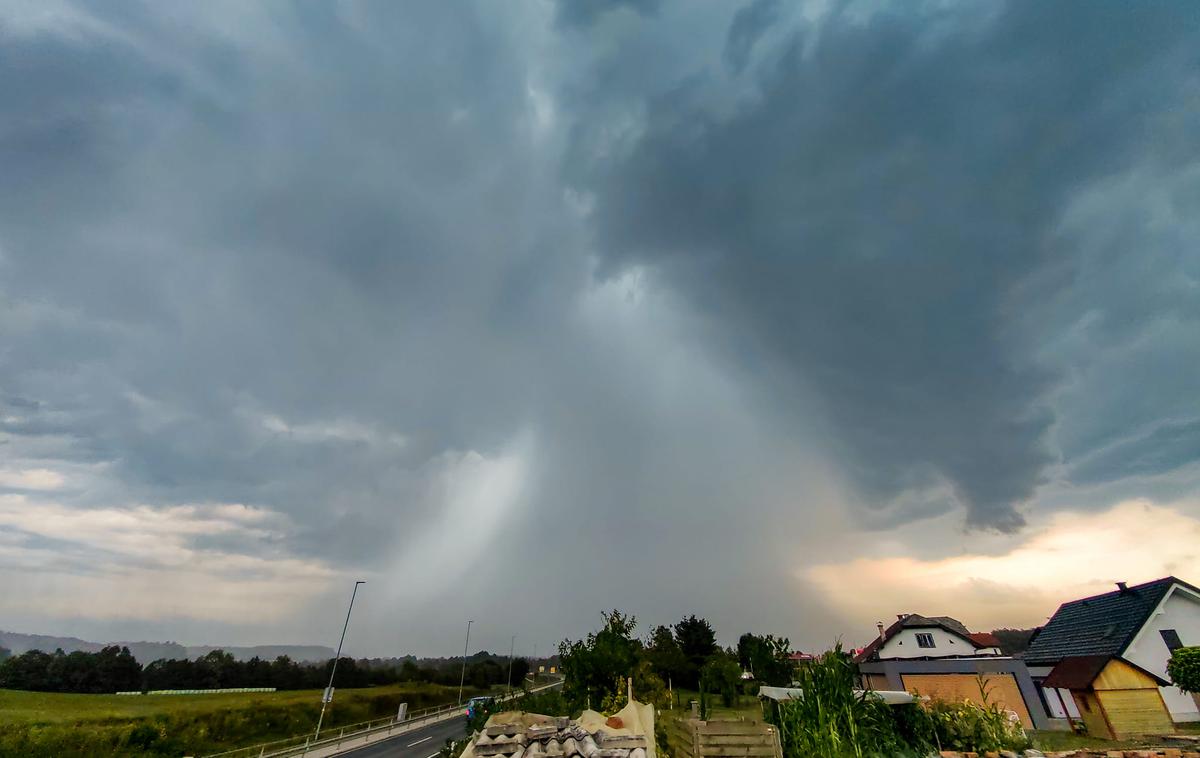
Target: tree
pixel 520 668
pixel 720 675
pixel 5 653
pixel 697 641
pixel 767 658
pixel 665 656
pixel 118 670
pixel 1184 669
pixel 595 668
pixel 1013 641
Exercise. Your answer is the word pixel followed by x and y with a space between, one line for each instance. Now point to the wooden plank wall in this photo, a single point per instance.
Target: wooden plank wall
pixel 724 739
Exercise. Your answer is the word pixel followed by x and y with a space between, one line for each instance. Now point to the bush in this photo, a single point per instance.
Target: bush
pixel 968 727
pixel 1184 668
pixel 722 676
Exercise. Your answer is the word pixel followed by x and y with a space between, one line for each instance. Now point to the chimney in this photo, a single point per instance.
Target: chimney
pixel 1123 588
pixel 879 625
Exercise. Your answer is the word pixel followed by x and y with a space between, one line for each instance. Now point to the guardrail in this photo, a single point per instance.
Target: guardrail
pixel 221 691
pixel 360 732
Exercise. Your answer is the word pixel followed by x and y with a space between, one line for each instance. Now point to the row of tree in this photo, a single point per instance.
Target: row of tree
pixel 685 655
pixel 114 669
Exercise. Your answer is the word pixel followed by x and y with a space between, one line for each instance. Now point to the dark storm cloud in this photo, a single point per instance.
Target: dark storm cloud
pixel 747 28
pixel 1166 448
pixel 685 267
pixel 204 243
pixel 584 13
pixel 866 215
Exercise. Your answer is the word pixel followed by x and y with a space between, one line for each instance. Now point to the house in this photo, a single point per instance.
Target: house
pixel 937 656
pixel 1139 625
pixel 1114 698
pixel 915 636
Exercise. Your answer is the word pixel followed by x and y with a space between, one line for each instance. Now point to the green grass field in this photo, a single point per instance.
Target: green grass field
pixel 55 708
pixel 52 724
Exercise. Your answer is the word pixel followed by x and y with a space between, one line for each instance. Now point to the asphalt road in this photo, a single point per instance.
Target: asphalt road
pixel 420 743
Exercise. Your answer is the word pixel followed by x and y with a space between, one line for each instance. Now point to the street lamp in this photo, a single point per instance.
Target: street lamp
pixel 511 646
pixel 463 677
pixel 328 696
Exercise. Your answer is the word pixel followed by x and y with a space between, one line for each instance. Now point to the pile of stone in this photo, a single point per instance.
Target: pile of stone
pixel 561 738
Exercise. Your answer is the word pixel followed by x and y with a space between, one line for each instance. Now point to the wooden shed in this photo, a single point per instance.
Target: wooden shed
pixel 1115 698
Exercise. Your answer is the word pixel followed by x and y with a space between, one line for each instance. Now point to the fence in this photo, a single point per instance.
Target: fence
pixel 223 691
pixel 724 739
pixel 361 732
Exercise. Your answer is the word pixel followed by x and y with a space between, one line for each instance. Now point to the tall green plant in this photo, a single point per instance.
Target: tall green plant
pixel 833 719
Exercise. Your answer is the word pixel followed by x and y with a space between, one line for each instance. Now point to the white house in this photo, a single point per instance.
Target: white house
pixel 915 636
pixel 1141 624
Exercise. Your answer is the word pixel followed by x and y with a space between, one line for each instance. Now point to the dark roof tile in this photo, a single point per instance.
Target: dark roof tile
pixel 1102 625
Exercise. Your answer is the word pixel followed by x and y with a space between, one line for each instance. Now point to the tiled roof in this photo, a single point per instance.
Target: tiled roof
pixel 1077 672
pixel 984 639
pixel 914 621
pixel 560 738
pixel 1102 625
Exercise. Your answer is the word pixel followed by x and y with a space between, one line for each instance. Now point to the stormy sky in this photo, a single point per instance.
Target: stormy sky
pixel 791 315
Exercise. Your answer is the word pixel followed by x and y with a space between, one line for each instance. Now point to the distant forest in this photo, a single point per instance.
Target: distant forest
pixel 114 669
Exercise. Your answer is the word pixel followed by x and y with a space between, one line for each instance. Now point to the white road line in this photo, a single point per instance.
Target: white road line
pixel 418 742
pixel 435 755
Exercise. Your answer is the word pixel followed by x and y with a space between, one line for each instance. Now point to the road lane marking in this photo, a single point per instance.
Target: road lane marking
pixel 435 755
pixel 418 742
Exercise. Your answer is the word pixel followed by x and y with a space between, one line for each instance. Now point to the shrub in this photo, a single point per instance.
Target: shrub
pixel 1184 668
pixel 969 727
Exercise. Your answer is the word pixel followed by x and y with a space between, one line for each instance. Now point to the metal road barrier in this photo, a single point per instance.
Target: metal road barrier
pixel 221 691
pixel 356 735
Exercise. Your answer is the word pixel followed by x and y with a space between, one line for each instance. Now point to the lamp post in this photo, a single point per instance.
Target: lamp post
pixel 511 646
pixel 329 690
pixel 462 678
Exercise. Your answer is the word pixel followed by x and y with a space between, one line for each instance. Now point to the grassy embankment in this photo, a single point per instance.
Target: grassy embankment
pixel 36 724
pixel 1061 741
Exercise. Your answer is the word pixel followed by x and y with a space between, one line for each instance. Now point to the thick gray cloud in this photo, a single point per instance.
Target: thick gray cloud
pixel 869 212
pixel 638 304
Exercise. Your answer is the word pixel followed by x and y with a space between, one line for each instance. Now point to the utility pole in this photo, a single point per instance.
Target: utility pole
pixel 463 677
pixel 329 690
pixel 511 646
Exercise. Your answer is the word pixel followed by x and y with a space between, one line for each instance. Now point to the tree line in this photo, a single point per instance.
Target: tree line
pixel 685 655
pixel 114 669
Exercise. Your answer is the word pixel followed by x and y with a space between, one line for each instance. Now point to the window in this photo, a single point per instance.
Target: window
pixel 1171 637
pixel 924 639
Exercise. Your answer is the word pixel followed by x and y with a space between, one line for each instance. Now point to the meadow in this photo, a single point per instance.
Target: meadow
pixel 36 724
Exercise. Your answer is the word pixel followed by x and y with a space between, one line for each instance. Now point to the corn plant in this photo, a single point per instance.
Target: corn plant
pixel 833 719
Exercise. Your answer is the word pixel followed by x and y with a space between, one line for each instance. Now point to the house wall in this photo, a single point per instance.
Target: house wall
pixel 1092 714
pixel 903 644
pixel 1001 689
pixel 1179 610
pixel 895 670
pixel 1136 712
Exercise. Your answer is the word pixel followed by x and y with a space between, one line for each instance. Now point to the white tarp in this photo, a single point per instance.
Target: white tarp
pixel 891 697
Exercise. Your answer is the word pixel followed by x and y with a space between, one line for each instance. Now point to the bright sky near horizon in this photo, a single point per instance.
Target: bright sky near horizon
pixel 794 316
